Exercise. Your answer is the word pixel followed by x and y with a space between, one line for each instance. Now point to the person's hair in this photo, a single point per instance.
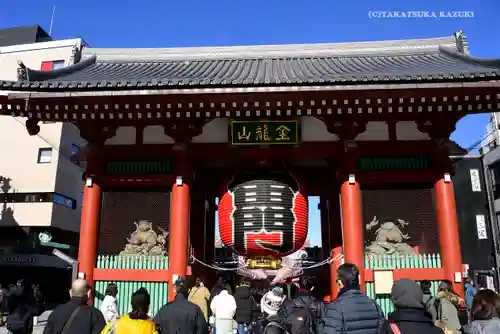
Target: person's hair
pixel 446 286
pixel 227 287
pixel 244 281
pixel 111 290
pixel 181 288
pixel 140 304
pixel 425 286
pixel 348 274
pixel 307 283
pixel 485 305
pixel 198 281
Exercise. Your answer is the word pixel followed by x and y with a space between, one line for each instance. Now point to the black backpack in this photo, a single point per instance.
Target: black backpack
pixel 300 320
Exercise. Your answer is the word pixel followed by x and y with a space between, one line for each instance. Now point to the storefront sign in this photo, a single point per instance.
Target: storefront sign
pixel 31 260
pixel 257 133
pixel 19 259
pixel 393 163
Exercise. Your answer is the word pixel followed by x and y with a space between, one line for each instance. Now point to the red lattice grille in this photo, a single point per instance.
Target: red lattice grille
pixel 415 206
pixel 121 209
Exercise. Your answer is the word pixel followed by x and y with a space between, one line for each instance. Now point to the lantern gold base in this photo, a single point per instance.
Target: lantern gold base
pixel 264 263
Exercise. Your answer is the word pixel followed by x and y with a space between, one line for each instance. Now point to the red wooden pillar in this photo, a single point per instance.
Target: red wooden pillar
pixel 89 230
pixel 449 240
pixel 179 227
pixel 352 226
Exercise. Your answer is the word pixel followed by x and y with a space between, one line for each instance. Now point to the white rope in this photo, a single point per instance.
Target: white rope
pixel 216 267
pixel 318 264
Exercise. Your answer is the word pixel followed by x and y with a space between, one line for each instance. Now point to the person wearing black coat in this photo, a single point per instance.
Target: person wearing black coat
pixel 246 307
pixel 352 312
pixel 180 315
pixel 303 298
pixel 410 315
pixel 76 315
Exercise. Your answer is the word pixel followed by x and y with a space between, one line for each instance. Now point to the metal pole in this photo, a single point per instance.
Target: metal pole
pixel 493 222
pixel 74 271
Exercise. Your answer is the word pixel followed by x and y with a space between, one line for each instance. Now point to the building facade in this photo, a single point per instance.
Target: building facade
pixel 41 187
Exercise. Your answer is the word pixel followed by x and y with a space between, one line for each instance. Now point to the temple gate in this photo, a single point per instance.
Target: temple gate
pixel 362 125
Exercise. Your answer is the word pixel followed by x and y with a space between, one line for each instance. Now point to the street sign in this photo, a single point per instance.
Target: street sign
pixel 63 256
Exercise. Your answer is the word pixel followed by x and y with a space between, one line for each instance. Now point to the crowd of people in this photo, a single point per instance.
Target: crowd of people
pixel 290 309
pixel 22 305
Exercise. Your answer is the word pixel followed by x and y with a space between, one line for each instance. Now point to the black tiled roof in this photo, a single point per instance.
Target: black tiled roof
pixel 23 35
pixel 240 69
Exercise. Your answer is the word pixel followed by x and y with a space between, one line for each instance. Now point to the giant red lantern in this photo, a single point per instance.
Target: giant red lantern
pixel 263 216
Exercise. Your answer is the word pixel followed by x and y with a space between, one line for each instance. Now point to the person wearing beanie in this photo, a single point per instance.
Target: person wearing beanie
pixel 410 315
pixel 270 304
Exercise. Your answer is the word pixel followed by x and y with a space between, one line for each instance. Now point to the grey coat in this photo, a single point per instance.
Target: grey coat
pixel 491 326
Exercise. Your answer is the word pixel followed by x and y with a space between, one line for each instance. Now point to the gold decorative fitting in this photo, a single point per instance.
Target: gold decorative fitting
pixel 264 263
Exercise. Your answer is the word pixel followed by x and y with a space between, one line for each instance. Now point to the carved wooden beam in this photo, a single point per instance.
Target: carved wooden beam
pixel 438 127
pixel 96 133
pixel 345 129
pixel 183 131
pixel 32 126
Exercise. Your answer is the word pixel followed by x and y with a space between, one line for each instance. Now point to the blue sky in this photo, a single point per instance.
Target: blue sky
pixel 155 23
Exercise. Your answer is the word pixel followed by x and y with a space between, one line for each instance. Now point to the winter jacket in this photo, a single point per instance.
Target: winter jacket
pixel 429 303
pixel 200 296
pixel 88 320
pixel 246 307
pixel 447 306
pixel 413 321
pixel 470 292
pixel 223 306
pixel 180 316
pixel 352 313
pixel 125 325
pixel 274 325
pixel 304 299
pixel 109 309
pixel 491 326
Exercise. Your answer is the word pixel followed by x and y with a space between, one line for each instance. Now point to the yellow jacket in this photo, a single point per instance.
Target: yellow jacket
pixel 125 325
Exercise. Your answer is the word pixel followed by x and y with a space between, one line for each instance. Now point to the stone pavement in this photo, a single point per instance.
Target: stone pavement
pixel 38 329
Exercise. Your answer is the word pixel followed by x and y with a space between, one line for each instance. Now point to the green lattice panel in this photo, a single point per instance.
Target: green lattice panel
pixel 157 290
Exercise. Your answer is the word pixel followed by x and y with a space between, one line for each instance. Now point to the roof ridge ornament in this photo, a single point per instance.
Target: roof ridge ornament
pixel 22 72
pixel 461 42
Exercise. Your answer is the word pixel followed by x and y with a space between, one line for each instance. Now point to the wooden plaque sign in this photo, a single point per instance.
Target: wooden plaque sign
pixel 258 133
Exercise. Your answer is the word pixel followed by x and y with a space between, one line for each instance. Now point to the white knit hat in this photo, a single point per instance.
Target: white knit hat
pixel 271 301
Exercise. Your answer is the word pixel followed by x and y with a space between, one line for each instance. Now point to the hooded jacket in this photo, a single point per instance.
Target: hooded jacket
pixel 246 307
pixel 411 315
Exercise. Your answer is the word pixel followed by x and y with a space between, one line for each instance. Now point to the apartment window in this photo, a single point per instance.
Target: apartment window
pixel 38 198
pixel 44 155
pixel 52 65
